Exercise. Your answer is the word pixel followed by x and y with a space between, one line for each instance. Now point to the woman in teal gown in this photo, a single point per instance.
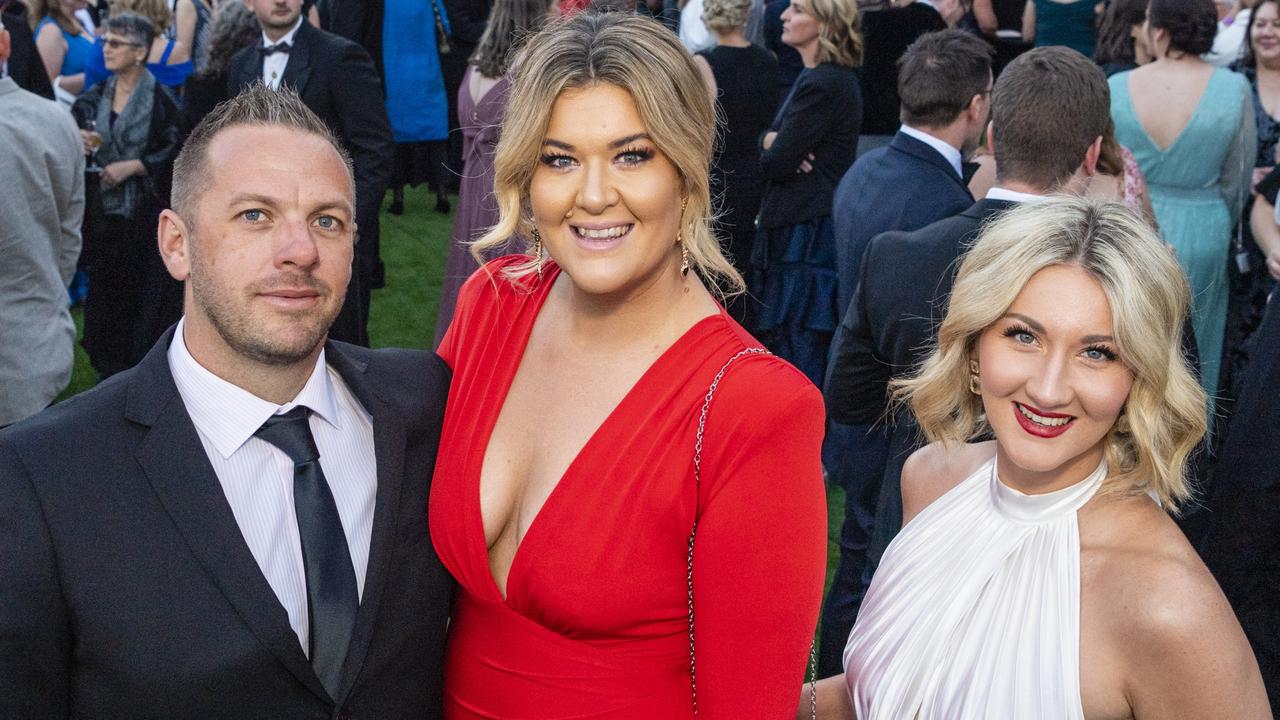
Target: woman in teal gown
pixel 1199 177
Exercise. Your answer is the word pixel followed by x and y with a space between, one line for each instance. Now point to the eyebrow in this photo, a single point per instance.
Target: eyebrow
pixel 1031 323
pixel 256 198
pixel 614 145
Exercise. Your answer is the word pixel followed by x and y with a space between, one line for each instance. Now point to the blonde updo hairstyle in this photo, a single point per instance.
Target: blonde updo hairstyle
pixel 1165 414
pixel 645 59
pixel 840 40
pixel 722 16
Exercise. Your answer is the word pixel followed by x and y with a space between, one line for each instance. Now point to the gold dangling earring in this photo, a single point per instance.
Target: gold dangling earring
pixel 974 378
pixel 537 250
pixel 684 249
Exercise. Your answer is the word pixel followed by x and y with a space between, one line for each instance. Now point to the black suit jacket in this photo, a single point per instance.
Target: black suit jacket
pixel 336 79
pixel 821 118
pixel 127 589
pixel 1243 547
pixel 25 66
pixel 901 298
pixel 903 186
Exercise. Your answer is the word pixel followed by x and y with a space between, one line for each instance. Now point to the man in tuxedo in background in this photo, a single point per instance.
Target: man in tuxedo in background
pixel 1049 111
pixel 337 80
pixel 944 81
pixel 237 526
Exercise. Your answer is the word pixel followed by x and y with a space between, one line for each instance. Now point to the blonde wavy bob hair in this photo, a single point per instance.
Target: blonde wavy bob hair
pixel 840 40
pixel 1165 413
pixel 645 59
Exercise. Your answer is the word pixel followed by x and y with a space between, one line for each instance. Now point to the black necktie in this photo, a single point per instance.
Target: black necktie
pixel 332 598
pixel 269 50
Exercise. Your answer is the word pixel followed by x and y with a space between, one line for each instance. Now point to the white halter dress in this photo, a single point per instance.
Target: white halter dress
pixel 974 612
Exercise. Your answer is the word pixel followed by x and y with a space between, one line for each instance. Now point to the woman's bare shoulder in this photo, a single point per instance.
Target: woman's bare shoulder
pixel 1182 644
pixel 933 470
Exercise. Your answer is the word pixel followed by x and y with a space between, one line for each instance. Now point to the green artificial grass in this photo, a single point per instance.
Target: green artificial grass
pixel 404 312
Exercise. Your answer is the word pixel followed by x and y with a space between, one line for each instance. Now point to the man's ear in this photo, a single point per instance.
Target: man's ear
pixel 1090 165
pixel 173 240
pixel 991 138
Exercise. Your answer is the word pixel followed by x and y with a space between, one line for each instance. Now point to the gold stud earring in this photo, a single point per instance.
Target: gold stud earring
pixel 974 378
pixel 537 250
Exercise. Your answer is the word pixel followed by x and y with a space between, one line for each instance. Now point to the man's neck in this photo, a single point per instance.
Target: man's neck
pixel 274 383
pixel 953 134
pixel 1021 187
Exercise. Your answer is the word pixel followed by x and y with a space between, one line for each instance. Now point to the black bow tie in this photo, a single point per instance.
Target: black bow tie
pixel 272 49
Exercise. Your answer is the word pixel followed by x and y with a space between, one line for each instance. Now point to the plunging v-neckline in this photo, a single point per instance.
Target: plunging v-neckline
pixel 552 272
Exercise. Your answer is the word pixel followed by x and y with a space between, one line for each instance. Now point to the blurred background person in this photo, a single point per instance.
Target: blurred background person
pixel 1250 281
pixel 25 65
pixel 734 70
pixel 190 27
pixel 168 60
pixel 232 28
pixel 789 63
pixel 405 39
pixel 467 22
pixel 131 128
pixel 40 212
pixel 1232 34
pixel 1119 179
pixel 1046 23
pixel 1191 128
pixel 1122 37
pixel 888 29
pixel 809 146
pixel 482 101
pixel 64 45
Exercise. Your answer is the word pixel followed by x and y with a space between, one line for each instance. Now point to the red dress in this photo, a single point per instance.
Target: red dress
pixel 595 621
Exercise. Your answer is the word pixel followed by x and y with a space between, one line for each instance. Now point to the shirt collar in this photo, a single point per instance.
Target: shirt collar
pixel 288 37
pixel 948 151
pixel 227 414
pixel 999 193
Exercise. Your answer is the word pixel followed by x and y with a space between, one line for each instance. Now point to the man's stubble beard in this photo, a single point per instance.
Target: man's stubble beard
pixel 237 329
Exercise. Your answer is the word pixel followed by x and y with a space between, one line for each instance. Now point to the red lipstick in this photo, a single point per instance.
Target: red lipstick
pixel 1043 431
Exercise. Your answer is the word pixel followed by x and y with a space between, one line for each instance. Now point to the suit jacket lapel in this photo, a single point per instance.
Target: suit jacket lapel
pixel 298 70
pixel 389 448
pixel 174 461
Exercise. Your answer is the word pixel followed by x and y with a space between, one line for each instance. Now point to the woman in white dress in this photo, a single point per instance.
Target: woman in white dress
pixel 1039 575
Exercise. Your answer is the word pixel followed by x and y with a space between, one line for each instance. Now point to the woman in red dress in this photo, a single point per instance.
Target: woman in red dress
pixel 565 493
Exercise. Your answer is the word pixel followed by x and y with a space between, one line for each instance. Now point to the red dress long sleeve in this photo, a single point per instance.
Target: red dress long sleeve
pixel 595 620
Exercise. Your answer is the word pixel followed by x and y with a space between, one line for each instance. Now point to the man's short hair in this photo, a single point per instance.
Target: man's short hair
pixel 255 105
pixel 1049 105
pixel 939 75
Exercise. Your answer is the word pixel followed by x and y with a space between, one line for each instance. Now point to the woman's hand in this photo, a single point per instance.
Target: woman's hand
pixel 767 141
pixel 806 165
pixel 1258 174
pixel 1273 263
pixel 121 170
pixel 90 140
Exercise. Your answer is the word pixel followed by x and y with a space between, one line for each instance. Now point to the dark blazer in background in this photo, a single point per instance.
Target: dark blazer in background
pixel 900 300
pixel 903 186
pixel 886 35
pixel 127 589
pixel 1243 546
pixel 337 80
pixel 822 118
pixel 25 66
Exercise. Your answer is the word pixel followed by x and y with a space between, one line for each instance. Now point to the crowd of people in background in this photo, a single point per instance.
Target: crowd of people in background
pixel 861 147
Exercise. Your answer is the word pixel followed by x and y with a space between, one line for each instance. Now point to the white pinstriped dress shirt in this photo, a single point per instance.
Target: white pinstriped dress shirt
pixel 257 477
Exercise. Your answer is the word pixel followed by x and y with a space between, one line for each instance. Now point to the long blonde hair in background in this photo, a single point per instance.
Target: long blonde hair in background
pixel 645 59
pixel 1165 414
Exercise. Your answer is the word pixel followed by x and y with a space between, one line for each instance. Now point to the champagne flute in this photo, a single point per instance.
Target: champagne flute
pixel 95 142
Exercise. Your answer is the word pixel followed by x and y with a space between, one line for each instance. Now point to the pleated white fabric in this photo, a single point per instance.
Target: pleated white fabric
pixel 974 612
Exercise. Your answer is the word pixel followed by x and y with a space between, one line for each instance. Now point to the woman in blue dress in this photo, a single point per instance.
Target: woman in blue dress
pixel 63 43
pixel 1191 128
pixel 169 59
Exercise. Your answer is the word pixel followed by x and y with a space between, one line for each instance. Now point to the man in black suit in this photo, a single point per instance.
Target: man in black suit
pixel 24 64
pixel 1049 111
pixel 337 80
pixel 237 526
pixel 1243 546
pixel 945 85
